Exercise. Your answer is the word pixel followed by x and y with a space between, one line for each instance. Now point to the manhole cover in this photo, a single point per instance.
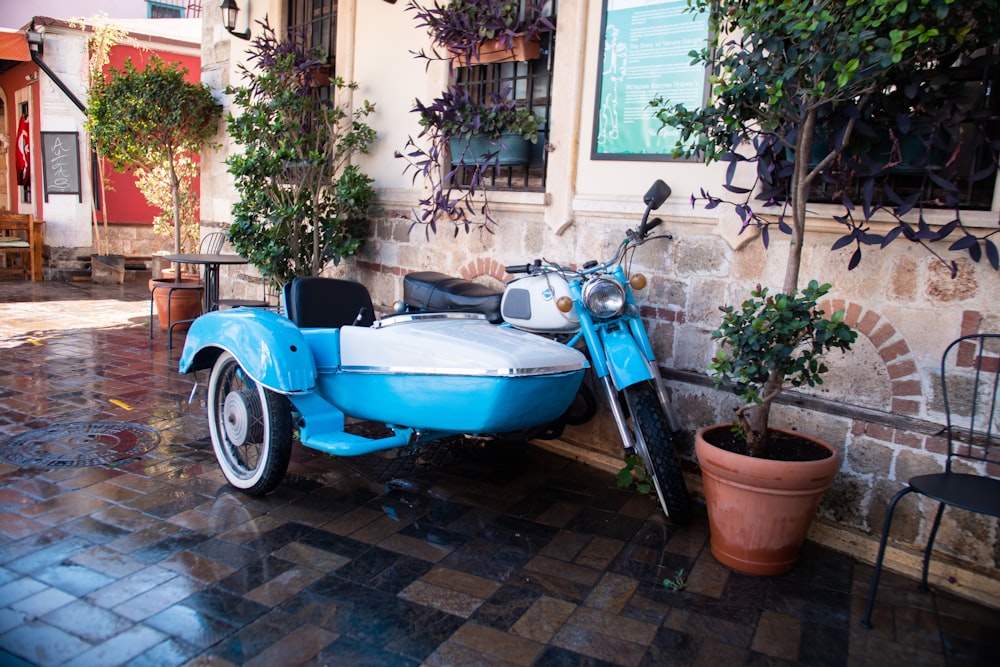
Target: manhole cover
pixel 79 445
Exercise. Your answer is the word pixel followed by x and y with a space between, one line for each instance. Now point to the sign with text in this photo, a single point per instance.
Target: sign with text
pixel 61 163
pixel 645 54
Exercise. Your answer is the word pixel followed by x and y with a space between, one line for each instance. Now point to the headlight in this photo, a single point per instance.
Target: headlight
pixel 604 298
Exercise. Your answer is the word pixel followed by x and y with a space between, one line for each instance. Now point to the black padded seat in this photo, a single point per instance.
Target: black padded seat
pixel 433 291
pixel 316 302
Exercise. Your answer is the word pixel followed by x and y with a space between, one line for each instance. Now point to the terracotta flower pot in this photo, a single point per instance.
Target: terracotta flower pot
pixel 524 48
pixel 759 510
pixel 177 301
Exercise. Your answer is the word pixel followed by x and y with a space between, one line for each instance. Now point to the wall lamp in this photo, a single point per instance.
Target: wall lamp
pixel 230 10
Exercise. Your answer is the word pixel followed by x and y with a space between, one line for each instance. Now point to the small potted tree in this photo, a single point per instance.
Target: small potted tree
pixel 803 94
pixel 462 133
pixel 155 122
pixel 481 31
pixel 302 203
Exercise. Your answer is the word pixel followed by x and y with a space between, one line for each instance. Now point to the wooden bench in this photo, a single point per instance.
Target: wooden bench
pixel 21 245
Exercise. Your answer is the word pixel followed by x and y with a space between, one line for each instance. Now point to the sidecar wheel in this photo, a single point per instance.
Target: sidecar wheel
pixel 251 428
pixel 654 445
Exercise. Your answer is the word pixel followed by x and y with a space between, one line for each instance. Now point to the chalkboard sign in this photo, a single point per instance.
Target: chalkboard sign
pixel 61 163
pixel 645 54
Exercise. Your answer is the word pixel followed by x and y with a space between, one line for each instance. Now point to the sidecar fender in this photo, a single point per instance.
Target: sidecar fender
pixel 625 359
pixel 268 346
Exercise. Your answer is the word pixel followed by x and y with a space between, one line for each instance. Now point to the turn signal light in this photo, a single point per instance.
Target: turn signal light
pixel 637 281
pixel 564 304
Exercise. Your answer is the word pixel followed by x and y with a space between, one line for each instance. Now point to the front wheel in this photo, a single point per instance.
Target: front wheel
pixel 251 428
pixel 654 445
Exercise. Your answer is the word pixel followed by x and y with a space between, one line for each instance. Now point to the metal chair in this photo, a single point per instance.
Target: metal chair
pixel 211 243
pixel 970 370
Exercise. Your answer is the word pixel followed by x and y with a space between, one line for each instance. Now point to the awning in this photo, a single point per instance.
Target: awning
pixel 13 49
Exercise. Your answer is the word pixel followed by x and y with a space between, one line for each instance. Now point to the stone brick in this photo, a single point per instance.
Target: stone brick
pixel 911 463
pixel 907 388
pixel 877 431
pixel 867 456
pixel 907 439
pixel 941 286
pixel 905 406
pixel 852 314
pixel 882 334
pixel 895 350
pixel 868 322
pixel 936 445
pixel 971 320
pixel 900 369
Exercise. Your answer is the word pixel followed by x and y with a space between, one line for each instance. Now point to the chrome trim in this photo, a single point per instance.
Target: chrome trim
pixel 471 372
pixel 425 317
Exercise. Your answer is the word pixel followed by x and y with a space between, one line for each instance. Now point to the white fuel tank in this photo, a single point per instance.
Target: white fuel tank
pixel 529 303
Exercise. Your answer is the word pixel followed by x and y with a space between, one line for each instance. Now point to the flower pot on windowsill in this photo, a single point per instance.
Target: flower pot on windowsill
pixel 512 148
pixel 493 51
pixel 759 509
pixel 177 301
pixel 316 77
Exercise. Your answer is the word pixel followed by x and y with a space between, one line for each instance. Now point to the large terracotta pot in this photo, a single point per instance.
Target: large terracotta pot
pixel 177 301
pixel 759 510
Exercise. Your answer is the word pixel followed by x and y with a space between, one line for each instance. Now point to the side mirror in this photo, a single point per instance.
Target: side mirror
pixel 656 195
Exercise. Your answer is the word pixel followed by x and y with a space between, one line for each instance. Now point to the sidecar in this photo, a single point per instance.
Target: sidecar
pixel 425 376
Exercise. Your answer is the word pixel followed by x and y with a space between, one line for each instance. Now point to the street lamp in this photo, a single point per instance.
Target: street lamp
pixel 229 12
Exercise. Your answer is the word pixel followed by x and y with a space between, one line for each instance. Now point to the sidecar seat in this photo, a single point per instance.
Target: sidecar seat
pixel 313 301
pixel 433 291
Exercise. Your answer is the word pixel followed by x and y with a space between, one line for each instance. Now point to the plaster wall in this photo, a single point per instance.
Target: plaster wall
pixel 880 407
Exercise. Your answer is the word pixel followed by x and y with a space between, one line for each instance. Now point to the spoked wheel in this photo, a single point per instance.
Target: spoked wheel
pixel 251 428
pixel 654 445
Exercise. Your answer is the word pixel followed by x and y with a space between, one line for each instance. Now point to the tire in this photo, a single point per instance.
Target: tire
pixel 251 428
pixel 654 445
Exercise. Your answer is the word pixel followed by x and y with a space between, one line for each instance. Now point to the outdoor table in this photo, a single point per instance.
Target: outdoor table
pixel 211 262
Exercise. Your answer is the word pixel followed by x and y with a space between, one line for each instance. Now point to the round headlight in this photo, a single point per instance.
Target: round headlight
pixel 604 298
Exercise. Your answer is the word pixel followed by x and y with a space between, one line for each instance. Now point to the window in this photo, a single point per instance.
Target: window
pixel 958 154
pixel 531 85
pixel 173 9
pixel 317 20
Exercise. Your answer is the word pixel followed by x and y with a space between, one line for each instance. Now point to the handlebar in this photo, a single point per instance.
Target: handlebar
pixel 653 199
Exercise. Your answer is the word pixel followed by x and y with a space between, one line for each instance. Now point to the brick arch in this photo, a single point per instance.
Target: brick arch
pixel 484 266
pixel 892 348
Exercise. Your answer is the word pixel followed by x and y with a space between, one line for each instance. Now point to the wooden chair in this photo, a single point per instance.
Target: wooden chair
pixel 970 375
pixel 21 245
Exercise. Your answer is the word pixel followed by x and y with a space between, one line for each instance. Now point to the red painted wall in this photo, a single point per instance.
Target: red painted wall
pixel 123 201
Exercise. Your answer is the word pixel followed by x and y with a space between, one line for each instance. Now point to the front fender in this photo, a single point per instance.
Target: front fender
pixel 268 346
pixel 625 359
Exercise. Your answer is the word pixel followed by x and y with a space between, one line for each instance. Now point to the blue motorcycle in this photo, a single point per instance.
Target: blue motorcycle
pixel 439 367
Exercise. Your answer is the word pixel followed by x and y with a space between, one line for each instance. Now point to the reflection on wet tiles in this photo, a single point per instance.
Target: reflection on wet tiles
pixel 88 621
pixel 74 579
pixel 195 628
pixel 41 644
pixel 130 586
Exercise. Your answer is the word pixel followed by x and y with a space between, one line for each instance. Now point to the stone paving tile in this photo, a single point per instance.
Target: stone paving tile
pixel 513 557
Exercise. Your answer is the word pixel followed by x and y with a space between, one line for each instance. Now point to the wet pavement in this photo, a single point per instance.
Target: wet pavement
pixel 467 554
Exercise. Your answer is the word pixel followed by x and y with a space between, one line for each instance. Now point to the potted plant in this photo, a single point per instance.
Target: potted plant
pixel 800 72
pixel 460 132
pixel 302 204
pixel 480 31
pixel 155 122
pixel 749 467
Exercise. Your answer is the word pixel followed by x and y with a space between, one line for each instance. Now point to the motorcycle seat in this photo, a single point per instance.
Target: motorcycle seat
pixel 433 291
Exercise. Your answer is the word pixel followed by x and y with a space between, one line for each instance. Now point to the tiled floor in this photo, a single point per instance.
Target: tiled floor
pixel 495 556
